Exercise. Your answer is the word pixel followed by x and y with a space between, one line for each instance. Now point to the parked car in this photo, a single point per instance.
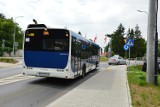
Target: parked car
pixel 144 66
pixel 118 60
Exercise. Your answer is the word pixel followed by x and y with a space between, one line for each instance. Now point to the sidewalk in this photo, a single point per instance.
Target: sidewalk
pixel 3 64
pixel 108 88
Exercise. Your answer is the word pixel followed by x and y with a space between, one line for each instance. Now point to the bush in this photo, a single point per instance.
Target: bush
pixel 135 75
pixel 8 60
pixel 141 80
pixel 103 58
pixel 135 68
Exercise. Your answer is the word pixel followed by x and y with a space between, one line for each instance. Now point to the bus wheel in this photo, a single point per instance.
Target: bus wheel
pixel 83 71
pixel 96 65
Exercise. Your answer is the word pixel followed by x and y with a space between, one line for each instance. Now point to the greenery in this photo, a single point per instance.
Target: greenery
pixel 139 48
pixel 142 93
pixel 103 58
pixel 7 26
pixel 5 49
pixel 118 41
pixel 8 60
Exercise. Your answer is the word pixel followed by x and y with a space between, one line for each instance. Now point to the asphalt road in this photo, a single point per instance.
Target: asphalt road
pixel 34 91
pixel 10 71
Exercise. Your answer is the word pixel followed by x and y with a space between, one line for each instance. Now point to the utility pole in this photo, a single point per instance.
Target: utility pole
pixel 151 38
pixel 14 33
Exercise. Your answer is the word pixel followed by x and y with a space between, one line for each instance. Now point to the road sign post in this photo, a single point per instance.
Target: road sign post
pixel 129 57
pixel 128 45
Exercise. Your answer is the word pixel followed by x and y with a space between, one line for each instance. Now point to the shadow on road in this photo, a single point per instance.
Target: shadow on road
pixel 63 83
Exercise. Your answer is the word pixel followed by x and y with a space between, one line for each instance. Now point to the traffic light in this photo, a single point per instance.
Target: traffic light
pixel 124 40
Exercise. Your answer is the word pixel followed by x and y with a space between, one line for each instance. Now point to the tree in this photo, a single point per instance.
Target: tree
pixel 6 33
pixel 130 33
pixel 118 40
pixel 139 48
pixel 137 33
pixel 2 16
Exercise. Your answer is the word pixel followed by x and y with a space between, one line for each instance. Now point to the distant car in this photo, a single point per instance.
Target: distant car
pixel 117 60
pixel 144 66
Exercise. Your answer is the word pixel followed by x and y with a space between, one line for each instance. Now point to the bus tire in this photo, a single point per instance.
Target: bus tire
pixel 83 71
pixel 96 65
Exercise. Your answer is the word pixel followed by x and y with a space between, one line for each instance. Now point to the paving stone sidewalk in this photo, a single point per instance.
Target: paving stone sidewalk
pixel 108 88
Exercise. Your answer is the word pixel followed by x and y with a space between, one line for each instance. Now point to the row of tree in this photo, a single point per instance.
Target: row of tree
pixel 118 41
pixel 7 27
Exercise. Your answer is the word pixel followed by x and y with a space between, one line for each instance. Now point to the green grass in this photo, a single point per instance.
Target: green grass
pixel 103 58
pixel 142 93
pixel 8 60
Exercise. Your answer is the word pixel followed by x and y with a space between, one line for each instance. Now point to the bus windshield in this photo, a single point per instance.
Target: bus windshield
pixel 56 40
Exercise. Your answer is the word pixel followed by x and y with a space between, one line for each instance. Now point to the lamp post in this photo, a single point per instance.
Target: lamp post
pixel 152 43
pixel 142 11
pixel 14 34
pixel 152 40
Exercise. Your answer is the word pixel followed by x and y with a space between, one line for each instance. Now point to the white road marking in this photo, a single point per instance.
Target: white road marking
pixel 15 78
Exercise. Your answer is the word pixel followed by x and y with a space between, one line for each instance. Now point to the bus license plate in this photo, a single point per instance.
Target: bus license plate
pixel 42 74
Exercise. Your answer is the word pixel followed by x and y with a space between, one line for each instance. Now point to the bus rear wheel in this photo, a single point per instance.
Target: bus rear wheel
pixel 83 71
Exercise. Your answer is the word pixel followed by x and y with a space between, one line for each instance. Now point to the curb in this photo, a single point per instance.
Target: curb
pixel 128 91
pixel 4 65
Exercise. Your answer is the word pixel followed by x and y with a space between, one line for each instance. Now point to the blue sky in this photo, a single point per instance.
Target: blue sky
pixel 91 17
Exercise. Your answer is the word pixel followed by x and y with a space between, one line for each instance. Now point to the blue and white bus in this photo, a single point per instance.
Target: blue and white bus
pixel 59 53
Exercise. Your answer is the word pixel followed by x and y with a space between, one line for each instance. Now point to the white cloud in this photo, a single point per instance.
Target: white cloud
pixel 91 17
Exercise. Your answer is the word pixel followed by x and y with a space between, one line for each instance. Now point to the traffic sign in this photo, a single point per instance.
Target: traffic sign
pixel 83 46
pixel 130 42
pixel 126 47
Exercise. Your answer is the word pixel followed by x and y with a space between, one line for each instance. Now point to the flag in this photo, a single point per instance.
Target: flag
pixel 105 40
pixel 95 38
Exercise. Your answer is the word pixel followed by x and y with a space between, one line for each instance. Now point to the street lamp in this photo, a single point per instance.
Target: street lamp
pixel 142 11
pixel 14 34
pixel 150 45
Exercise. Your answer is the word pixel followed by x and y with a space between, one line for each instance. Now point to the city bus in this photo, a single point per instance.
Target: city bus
pixel 58 53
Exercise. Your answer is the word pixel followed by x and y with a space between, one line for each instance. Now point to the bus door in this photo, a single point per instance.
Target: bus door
pixel 90 60
pixel 90 57
pixel 76 60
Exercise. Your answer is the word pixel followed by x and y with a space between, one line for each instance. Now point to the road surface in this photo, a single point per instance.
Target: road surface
pixel 17 90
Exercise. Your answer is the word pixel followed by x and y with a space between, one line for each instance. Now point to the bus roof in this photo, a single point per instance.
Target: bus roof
pixel 84 39
pixel 34 26
pixel 37 26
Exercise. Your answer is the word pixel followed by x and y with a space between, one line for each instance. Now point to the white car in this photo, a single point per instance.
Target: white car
pixel 118 60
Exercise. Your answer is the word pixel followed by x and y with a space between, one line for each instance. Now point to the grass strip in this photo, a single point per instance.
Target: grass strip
pixel 8 60
pixel 142 93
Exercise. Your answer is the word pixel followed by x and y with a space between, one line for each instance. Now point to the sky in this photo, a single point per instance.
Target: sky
pixel 90 17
